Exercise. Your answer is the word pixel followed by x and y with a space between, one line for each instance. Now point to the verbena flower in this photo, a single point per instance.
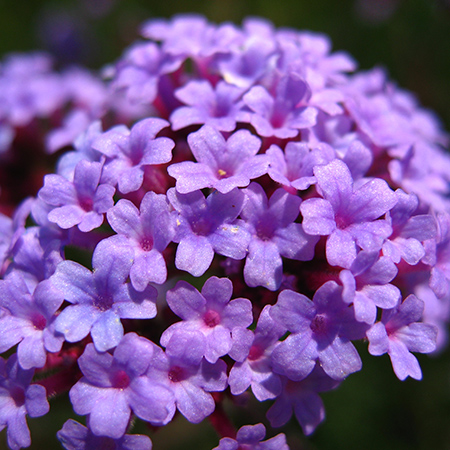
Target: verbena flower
pixel 19 398
pixel 251 436
pixel 210 312
pixel 101 298
pixel 114 385
pixel 222 165
pixel 267 207
pixel 74 436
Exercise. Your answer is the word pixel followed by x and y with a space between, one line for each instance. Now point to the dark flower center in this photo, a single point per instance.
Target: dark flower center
pixel 201 227
pixel 211 318
pixel 147 244
pixel 106 443
pixel 255 352
pixel 341 222
pixel 86 203
pixel 18 395
pixel 103 302
pixel 319 324
pixel 39 321
pixel 176 374
pixel 265 229
pixel 120 380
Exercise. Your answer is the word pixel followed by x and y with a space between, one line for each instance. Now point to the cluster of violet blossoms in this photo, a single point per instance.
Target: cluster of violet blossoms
pixel 232 208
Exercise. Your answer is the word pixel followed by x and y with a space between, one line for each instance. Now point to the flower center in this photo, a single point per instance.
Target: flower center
pixel 255 352
pixel 39 321
pixel 106 443
pixel 211 318
pixel 222 173
pixel 120 380
pixel 147 244
pixel 319 324
pixel 103 302
pixel 201 227
pixel 86 203
pixel 264 229
pixel 18 395
pixel 176 374
pixel 341 222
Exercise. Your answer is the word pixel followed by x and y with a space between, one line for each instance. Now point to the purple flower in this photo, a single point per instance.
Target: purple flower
pixel 29 320
pixel 129 151
pixel 217 106
pixel 99 299
pixel 249 437
pixel 293 168
pixel 191 378
pixel 256 369
pixel 205 226
pixel 147 232
pixel 302 399
pixel 190 36
pixel 399 333
pixel 17 399
pixel 74 436
pixel 140 69
pixel 367 286
pixel 82 151
pixel 115 385
pixel 247 63
pixel 409 231
pixel 29 88
pixel 82 202
pixel 11 231
pixel 321 330
pixel 222 165
pixel 438 256
pixel 283 114
pixel 210 312
pixel 347 215
pixel 274 234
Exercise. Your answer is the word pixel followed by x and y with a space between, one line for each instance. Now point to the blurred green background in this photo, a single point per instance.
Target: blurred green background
pixel 411 39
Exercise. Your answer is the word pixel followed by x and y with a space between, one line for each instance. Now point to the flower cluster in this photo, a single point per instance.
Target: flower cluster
pixel 235 208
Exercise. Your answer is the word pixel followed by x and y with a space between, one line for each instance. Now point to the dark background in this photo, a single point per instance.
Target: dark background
pixel 411 39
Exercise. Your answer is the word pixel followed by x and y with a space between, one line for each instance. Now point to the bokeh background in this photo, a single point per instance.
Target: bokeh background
pixel 411 40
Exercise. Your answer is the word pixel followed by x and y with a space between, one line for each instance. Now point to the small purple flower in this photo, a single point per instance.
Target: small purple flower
pixel 249 437
pixel 217 106
pixel 82 202
pixel 366 285
pixel 256 369
pixel 183 370
pixel 438 256
pixel 129 151
pixel 210 312
pixel 221 164
pixel 409 230
pixel 347 215
pixel 274 234
pixel 99 299
pixel 74 436
pixel 399 333
pixel 302 399
pixel 205 226
pixel 140 69
pixel 30 320
pixel 321 330
pixel 293 168
pixel 17 399
pixel 247 63
pixel 284 114
pixel 115 385
pixel 147 232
